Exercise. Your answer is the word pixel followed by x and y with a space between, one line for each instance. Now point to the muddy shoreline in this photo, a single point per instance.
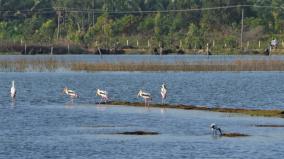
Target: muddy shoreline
pixel 250 112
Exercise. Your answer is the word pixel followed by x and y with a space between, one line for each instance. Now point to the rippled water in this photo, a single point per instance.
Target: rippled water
pixel 261 90
pixel 43 124
pixel 88 131
pixel 144 58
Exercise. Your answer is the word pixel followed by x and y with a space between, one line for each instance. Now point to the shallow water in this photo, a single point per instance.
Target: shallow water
pixel 260 90
pixel 142 58
pixel 87 131
pixel 42 123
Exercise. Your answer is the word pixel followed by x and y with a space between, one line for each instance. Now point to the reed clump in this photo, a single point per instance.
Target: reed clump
pixel 52 64
pixel 38 65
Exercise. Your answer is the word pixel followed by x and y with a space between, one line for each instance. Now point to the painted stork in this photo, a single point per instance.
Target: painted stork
pixel 163 92
pixel 146 96
pixel 13 90
pixel 103 94
pixel 72 94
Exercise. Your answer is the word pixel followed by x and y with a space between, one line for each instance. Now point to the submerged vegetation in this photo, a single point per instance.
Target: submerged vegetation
pixel 138 133
pixel 174 24
pixel 234 135
pixel 51 64
pixel 251 112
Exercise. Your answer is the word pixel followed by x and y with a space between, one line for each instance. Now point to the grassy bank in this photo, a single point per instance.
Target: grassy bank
pixel 250 112
pixel 51 64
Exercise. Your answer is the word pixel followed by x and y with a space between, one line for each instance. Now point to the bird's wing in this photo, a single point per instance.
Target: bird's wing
pixel 146 94
pixel 71 91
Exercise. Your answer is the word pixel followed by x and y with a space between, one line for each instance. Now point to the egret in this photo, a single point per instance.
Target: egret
pixel 103 94
pixel 163 93
pixel 13 90
pixel 146 96
pixel 215 129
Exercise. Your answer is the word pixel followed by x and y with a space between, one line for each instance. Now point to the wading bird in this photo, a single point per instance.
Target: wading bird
pixel 146 96
pixel 13 90
pixel 215 129
pixel 163 93
pixel 103 94
pixel 72 94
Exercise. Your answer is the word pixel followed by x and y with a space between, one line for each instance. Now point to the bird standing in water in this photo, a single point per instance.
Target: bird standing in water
pixel 146 96
pixel 72 94
pixel 215 129
pixel 13 90
pixel 163 93
pixel 103 94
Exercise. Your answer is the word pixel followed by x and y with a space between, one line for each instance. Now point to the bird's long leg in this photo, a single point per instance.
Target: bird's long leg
pixel 145 101
pixel 100 101
pixel 71 100
pixel 220 131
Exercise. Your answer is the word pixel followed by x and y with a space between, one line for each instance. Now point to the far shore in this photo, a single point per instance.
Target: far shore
pixel 64 49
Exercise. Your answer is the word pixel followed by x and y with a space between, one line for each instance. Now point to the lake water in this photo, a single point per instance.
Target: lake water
pixel 143 58
pixel 88 131
pixel 260 90
pixel 42 123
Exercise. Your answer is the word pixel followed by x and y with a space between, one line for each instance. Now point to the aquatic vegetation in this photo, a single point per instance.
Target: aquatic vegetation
pixel 234 135
pixel 52 64
pixel 138 133
pixel 269 126
pixel 251 112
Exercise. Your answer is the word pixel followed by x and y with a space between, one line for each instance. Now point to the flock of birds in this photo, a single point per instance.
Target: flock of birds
pixel 104 97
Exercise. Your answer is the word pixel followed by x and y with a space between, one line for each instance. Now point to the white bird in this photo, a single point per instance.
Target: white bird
pixel 215 129
pixel 163 93
pixel 103 94
pixel 146 96
pixel 13 90
pixel 72 94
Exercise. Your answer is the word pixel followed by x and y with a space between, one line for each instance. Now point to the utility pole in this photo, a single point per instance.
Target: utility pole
pixel 58 23
pixel 242 29
pixel 93 13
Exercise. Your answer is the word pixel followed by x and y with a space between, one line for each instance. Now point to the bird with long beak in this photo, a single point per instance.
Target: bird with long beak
pixel 72 94
pixel 215 129
pixel 103 94
pixel 164 92
pixel 13 90
pixel 146 96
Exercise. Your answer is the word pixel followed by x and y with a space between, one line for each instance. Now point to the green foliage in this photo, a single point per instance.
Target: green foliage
pixel 37 20
pixel 158 25
pixel 253 22
pixel 147 24
pixel 46 31
pixel 194 37
pixel 230 41
pixel 122 25
pixel 3 29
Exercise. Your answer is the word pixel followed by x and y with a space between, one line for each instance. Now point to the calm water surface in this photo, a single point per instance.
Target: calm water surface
pixel 88 131
pixel 261 90
pixel 143 58
pixel 42 123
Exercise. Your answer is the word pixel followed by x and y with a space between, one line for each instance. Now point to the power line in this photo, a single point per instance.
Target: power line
pixel 96 11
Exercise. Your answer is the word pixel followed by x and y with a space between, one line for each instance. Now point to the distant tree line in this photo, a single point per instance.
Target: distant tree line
pixel 111 22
